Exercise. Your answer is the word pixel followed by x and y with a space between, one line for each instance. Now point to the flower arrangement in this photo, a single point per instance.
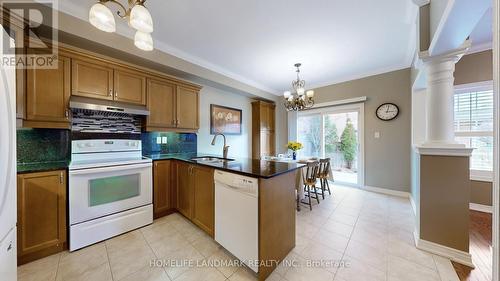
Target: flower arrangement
pixel 294 146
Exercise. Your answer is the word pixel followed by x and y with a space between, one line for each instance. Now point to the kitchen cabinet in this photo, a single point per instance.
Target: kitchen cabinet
pixel 161 105
pixel 47 96
pixel 184 189
pixel 263 129
pixel 129 86
pixel 41 214
pixel 204 197
pixel 195 194
pixel 95 79
pixel 163 191
pixel 91 79
pixel 187 108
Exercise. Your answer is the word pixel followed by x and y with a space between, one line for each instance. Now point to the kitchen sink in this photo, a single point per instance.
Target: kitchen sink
pixel 211 159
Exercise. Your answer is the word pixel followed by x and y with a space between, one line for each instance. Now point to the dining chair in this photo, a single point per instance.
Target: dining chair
pixel 324 171
pixel 309 177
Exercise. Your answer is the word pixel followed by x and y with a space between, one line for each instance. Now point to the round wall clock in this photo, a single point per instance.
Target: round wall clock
pixel 387 111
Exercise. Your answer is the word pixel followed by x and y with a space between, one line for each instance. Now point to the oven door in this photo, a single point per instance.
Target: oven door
pixel 98 192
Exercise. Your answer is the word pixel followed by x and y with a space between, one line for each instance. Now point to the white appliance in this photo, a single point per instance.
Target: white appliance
pixel 110 190
pixel 8 214
pixel 236 216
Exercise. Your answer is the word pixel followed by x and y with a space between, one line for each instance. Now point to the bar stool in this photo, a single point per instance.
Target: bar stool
pixel 309 178
pixel 324 171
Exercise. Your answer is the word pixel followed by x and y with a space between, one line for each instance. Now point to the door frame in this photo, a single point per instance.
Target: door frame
pixel 496 146
pixel 358 107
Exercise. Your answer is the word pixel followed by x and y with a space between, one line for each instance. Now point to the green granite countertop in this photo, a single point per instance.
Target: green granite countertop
pixel 41 166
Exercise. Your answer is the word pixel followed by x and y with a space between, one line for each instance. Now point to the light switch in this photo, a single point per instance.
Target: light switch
pixel 158 140
pixel 164 140
pixel 377 135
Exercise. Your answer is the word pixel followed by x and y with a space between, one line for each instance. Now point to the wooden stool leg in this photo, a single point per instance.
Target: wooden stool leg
pixel 321 180
pixel 316 193
pixel 328 186
pixel 309 193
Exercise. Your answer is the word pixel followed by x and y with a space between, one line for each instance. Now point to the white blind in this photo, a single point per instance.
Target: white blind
pixel 474 111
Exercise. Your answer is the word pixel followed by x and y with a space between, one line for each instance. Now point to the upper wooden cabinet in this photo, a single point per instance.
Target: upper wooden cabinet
pixel 263 129
pixel 187 108
pixel 47 96
pixel 92 79
pixel 130 86
pixel 41 214
pixel 163 192
pixel 161 104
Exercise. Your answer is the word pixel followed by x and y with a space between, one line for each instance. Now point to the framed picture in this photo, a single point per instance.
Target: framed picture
pixel 225 120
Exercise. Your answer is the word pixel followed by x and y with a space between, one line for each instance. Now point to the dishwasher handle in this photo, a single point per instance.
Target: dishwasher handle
pixel 248 190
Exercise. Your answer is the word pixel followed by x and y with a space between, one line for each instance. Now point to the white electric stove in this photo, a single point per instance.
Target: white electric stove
pixel 110 190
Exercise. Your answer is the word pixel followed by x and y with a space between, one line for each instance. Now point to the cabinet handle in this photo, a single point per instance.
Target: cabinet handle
pixel 61 178
pixel 110 93
pixel 116 94
pixel 66 113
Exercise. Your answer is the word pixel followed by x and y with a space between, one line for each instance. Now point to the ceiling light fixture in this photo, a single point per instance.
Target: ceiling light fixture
pixel 137 16
pixel 299 99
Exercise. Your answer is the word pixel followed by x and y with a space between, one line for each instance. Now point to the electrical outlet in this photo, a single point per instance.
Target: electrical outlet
pixel 158 140
pixel 164 140
pixel 377 135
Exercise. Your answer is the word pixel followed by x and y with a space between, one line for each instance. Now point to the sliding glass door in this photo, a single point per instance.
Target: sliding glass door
pixel 335 133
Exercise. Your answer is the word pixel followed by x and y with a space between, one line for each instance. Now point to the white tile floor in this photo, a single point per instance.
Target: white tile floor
pixel 368 234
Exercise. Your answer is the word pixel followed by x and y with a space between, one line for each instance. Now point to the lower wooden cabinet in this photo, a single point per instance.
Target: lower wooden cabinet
pixel 204 198
pixel 41 215
pixel 184 189
pixel 196 194
pixel 163 191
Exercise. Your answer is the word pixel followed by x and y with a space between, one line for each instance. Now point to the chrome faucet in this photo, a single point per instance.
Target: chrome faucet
pixel 225 149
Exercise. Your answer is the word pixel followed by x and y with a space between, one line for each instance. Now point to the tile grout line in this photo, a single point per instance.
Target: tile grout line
pixel 151 248
pixel 58 263
pixel 109 260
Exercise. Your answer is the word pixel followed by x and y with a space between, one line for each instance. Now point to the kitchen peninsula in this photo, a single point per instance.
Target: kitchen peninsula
pixel 185 183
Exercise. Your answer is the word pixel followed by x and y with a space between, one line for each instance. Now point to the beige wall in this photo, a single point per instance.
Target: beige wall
pixel 444 219
pixel 477 67
pixel 387 159
pixel 473 68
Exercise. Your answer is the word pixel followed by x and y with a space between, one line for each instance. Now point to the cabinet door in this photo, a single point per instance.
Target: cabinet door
pixel 161 104
pixel 187 108
pixel 162 188
pixel 267 116
pixel 48 92
pixel 130 86
pixel 92 79
pixel 184 189
pixel 204 208
pixel 267 143
pixel 41 214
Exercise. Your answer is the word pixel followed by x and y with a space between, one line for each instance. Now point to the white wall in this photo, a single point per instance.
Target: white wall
pixel 240 145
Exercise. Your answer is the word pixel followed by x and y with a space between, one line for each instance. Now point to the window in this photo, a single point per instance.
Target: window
pixel 473 107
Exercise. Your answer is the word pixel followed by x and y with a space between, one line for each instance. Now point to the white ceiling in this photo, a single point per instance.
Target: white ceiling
pixel 482 35
pixel 257 42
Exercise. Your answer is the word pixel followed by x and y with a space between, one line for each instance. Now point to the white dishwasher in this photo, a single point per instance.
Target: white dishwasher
pixel 236 216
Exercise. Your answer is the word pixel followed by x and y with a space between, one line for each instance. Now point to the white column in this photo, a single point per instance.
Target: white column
pixel 439 100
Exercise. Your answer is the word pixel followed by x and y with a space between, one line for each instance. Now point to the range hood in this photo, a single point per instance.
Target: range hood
pixel 107 106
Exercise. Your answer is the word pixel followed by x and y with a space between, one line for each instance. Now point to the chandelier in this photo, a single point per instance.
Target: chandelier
pixel 137 16
pixel 299 99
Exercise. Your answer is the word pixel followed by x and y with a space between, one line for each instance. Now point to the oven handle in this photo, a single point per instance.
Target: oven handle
pixel 109 169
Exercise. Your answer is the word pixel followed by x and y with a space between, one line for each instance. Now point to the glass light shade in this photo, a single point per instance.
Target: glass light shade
pixel 300 91
pixel 143 41
pixel 287 94
pixel 141 19
pixel 290 98
pixel 310 93
pixel 102 18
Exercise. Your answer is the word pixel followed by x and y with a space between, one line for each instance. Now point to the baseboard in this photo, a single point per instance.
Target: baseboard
pixel 455 255
pixel 481 208
pixel 387 191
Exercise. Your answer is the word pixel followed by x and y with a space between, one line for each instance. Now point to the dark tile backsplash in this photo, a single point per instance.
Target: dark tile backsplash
pixel 43 145
pixel 176 143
